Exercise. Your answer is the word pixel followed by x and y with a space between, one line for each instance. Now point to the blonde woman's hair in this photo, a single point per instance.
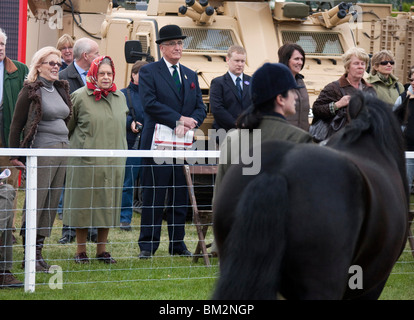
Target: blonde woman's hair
pixel 65 39
pixel 37 60
pixel 360 53
pixel 378 57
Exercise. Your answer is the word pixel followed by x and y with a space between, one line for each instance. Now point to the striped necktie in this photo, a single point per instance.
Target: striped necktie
pixel 238 86
pixel 176 78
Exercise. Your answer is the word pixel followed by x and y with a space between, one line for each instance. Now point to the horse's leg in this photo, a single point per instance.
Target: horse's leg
pixel 372 294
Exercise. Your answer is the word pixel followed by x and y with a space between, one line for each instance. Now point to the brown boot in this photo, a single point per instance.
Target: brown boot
pixel 8 280
pixel 41 264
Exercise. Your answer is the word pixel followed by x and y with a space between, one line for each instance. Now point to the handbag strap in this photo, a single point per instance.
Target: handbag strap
pixel 340 88
pixel 397 87
pixel 130 106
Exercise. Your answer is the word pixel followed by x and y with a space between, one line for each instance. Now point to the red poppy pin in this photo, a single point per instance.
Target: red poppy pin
pixel 192 85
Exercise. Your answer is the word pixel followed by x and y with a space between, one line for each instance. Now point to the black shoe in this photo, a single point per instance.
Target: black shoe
pixel 66 239
pixel 184 253
pixel 145 255
pixel 105 257
pixel 125 226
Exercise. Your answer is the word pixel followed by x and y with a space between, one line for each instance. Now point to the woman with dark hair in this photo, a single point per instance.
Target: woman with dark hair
pixel 273 94
pixel 293 56
pixel 93 190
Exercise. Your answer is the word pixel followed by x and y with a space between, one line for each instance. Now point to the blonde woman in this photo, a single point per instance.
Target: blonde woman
pixel 43 109
pixel 382 79
pixel 334 98
pixel 65 46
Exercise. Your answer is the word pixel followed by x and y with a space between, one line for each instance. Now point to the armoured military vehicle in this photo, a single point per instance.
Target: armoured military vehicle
pixel 325 30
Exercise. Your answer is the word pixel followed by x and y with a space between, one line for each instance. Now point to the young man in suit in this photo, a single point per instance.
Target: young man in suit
pixel 171 96
pixel 230 93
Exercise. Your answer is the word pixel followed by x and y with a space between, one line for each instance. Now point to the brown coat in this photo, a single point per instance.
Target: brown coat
pixel 28 112
pixel 333 92
pixel 301 117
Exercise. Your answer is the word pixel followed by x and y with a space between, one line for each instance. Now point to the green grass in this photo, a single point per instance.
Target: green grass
pixel 163 277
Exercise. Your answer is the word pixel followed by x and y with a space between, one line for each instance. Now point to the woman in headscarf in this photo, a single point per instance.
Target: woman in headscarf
pixel 93 191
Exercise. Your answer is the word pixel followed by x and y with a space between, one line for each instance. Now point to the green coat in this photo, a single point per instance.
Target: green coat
pixel 271 128
pixel 387 92
pixel 93 191
pixel 14 75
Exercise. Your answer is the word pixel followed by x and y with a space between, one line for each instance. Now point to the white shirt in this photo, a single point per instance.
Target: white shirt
pixel 234 77
pixel 81 72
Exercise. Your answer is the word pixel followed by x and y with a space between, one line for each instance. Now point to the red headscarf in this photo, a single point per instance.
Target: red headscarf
pixel 92 77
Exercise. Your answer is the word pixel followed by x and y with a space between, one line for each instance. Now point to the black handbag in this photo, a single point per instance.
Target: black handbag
pixel 321 129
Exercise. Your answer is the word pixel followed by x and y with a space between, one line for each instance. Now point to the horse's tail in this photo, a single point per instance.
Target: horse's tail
pixel 253 250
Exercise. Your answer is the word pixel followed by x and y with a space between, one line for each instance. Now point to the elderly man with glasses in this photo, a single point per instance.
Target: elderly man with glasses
pixel 170 96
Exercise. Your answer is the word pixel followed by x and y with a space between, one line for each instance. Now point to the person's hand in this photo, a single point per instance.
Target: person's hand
pixel 343 102
pixel 188 122
pixel 181 130
pixel 134 126
pixel 18 164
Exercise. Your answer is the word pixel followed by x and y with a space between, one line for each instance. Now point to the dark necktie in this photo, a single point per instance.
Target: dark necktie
pixel 238 86
pixel 176 78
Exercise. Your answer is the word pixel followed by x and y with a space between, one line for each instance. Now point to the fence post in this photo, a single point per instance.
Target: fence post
pixel 31 224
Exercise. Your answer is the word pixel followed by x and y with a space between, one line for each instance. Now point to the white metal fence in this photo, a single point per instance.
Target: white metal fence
pixel 31 199
pixel 166 267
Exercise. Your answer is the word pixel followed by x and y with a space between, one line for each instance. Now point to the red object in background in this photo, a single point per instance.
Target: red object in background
pixel 21 54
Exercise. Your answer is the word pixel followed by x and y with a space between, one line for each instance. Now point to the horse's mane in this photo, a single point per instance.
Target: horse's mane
pixel 369 114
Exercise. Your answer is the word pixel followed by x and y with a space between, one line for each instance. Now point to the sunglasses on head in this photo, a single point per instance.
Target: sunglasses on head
pixel 52 63
pixel 384 63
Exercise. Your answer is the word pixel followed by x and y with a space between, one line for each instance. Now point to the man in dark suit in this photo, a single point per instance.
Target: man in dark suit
pixel 171 96
pixel 230 93
pixel 85 51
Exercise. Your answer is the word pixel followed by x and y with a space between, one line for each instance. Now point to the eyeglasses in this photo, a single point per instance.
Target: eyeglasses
pixel 173 43
pixel 384 63
pixel 52 63
pixel 66 48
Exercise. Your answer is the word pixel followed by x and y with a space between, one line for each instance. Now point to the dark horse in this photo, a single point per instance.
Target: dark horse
pixel 313 211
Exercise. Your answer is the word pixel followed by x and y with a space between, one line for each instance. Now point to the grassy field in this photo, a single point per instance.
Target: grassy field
pixel 163 277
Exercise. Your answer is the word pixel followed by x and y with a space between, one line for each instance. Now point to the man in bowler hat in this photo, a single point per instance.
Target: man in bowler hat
pixel 171 96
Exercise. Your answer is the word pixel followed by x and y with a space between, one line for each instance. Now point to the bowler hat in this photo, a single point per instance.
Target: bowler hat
pixel 170 32
pixel 270 80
